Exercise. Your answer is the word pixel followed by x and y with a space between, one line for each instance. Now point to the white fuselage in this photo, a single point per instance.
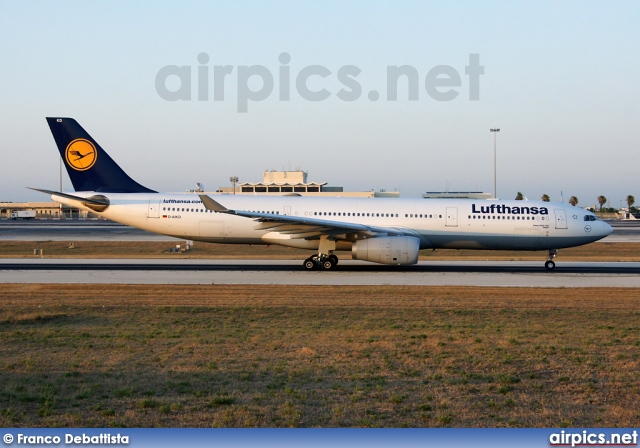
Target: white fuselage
pixel 438 223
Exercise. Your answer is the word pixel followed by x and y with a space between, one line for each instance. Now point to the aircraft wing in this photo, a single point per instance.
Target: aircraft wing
pixel 305 227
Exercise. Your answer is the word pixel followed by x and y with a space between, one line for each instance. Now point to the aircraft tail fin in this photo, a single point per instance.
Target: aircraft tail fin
pixel 89 166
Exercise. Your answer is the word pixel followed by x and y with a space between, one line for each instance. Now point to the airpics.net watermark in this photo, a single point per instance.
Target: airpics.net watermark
pixel 257 83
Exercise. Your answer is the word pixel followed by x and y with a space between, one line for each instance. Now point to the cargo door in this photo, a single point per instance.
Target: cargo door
pixel 528 238
pixel 213 230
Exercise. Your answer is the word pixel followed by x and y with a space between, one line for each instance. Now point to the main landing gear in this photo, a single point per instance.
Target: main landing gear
pixel 324 262
pixel 325 259
pixel 550 264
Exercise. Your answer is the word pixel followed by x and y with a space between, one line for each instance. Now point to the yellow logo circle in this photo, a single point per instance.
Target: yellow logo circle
pixel 81 154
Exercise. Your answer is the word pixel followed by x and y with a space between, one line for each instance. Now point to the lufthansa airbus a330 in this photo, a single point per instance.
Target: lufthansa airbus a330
pixel 380 230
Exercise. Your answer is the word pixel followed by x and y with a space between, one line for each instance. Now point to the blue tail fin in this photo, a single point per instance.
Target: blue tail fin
pixel 89 166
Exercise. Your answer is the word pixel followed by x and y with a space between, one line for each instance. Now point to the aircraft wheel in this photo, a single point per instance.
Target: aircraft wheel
pixel 328 264
pixel 309 264
pixel 550 265
pixel 333 259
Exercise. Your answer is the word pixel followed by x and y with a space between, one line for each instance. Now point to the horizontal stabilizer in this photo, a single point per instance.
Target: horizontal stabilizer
pixel 97 202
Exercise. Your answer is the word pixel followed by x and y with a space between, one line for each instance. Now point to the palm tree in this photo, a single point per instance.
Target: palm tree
pixel 573 201
pixel 546 198
pixel 602 200
pixel 630 201
pixel 519 197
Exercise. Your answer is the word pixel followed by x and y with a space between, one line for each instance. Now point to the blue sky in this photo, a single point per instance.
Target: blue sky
pixel 560 80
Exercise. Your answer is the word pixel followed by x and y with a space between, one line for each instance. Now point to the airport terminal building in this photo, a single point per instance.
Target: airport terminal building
pixel 44 210
pixel 296 183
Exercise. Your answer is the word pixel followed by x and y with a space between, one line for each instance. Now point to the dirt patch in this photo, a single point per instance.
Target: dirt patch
pixel 147 249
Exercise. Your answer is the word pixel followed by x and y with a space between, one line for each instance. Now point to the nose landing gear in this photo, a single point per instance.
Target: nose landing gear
pixel 550 264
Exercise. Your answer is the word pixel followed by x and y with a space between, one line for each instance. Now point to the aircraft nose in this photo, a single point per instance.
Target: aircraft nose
pixel 606 229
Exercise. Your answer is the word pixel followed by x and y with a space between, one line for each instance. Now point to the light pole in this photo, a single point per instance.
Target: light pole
pixel 495 189
pixel 233 180
pixel 60 214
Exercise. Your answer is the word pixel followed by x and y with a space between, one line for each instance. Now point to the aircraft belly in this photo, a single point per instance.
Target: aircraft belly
pixel 559 242
pixel 486 241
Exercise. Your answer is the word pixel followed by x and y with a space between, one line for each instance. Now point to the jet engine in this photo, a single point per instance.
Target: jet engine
pixel 387 250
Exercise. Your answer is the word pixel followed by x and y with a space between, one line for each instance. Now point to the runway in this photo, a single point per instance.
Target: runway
pixel 349 272
pixel 233 271
pixel 75 230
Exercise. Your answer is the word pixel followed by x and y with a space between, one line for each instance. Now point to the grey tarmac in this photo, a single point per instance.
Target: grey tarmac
pixel 349 272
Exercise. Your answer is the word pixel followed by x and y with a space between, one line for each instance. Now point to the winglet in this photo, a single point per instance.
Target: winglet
pixel 210 204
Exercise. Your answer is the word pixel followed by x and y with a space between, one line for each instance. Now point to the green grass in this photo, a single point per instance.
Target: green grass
pixel 69 362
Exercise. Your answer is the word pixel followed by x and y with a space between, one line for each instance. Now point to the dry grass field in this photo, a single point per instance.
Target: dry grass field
pixel 328 356
pixel 139 249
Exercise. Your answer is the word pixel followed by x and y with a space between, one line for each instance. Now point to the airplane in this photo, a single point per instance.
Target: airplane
pixel 388 231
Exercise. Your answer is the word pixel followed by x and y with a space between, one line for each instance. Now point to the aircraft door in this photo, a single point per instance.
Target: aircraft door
pixel 287 210
pixel 154 208
pixel 561 218
pixel 452 217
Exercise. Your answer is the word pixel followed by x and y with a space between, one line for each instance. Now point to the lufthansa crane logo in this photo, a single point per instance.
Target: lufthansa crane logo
pixel 81 154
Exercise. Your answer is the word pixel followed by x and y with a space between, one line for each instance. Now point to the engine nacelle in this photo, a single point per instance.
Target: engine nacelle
pixel 387 250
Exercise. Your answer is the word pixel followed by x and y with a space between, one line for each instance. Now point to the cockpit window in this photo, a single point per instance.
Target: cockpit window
pixel 590 218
